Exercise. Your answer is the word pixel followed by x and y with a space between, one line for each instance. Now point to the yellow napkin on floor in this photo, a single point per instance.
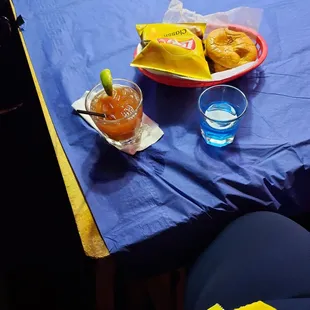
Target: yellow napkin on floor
pixel 259 305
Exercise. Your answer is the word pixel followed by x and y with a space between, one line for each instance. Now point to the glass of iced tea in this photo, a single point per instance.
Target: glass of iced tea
pixel 123 111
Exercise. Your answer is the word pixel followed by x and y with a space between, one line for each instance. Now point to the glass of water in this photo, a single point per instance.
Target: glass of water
pixel 221 109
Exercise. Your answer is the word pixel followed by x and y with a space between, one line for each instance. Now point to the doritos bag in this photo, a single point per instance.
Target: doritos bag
pixel 173 48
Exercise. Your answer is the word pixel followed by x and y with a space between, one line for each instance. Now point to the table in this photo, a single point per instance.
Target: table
pixel 166 203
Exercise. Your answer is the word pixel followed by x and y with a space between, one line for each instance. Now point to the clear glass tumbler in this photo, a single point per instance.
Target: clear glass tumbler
pixel 123 110
pixel 221 109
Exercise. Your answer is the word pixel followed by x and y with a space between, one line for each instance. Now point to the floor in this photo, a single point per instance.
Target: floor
pixel 116 291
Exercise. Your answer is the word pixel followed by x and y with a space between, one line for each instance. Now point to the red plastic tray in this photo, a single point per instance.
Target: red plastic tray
pixel 262 51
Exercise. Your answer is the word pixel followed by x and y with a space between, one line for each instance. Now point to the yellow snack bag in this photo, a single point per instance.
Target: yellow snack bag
pixel 216 307
pixel 155 31
pixel 259 305
pixel 173 48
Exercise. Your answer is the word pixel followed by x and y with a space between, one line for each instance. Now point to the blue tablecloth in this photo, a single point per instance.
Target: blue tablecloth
pixel 179 192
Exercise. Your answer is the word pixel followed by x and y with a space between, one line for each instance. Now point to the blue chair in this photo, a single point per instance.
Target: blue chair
pixel 260 256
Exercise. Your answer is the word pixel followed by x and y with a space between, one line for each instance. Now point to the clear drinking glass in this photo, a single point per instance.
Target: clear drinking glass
pixel 123 110
pixel 221 109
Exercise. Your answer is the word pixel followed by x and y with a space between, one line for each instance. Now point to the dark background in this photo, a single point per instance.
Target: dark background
pixel 43 263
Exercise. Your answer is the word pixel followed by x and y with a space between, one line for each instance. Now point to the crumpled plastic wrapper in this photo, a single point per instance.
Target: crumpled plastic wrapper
pixel 243 16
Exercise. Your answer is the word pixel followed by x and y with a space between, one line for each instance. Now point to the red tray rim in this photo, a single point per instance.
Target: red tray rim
pixel 167 80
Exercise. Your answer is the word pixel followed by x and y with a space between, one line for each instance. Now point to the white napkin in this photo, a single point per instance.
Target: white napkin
pixel 151 132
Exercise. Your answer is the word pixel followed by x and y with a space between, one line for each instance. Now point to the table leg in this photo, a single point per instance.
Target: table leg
pixel 105 283
pixel 159 288
pixel 180 289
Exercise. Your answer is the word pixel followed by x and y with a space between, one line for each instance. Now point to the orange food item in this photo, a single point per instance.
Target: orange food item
pixel 219 68
pixel 229 48
pixel 123 113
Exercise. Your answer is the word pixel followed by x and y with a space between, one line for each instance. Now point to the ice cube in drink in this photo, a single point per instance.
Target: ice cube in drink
pixel 219 126
pixel 123 112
